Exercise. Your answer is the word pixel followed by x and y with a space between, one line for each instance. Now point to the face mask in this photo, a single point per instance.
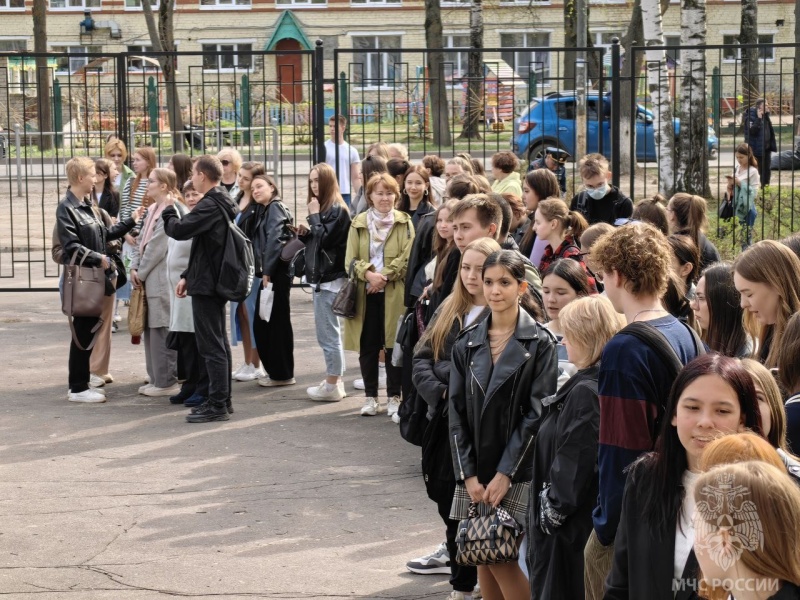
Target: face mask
pixel 598 193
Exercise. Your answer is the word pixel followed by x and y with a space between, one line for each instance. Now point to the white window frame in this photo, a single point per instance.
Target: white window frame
pixel 300 4
pixel 7 8
pixel 51 45
pixel 15 76
pixel 527 2
pixel 81 8
pixel 17 38
pixel 146 44
pixel 549 32
pixel 236 43
pixel 226 6
pixel 155 6
pixel 454 3
pixel 448 39
pixel 673 34
pixel 731 61
pixel 375 34
pixel 376 3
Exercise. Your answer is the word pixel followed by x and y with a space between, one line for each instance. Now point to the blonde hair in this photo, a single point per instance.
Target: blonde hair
pixel 764 381
pixel 231 154
pixel 456 305
pixel 401 149
pixel 167 177
pixel 739 447
pixel 465 165
pixel 116 144
pixel 77 167
pixel 590 323
pixel 774 501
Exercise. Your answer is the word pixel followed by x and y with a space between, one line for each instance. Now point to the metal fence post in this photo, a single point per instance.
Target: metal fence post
pixel 58 115
pixel 318 131
pixel 344 107
pixel 18 146
pixel 244 109
pixel 615 103
pixel 123 120
pixel 716 98
pixel 152 111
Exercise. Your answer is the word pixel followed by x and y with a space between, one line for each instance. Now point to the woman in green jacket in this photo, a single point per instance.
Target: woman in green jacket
pixel 378 246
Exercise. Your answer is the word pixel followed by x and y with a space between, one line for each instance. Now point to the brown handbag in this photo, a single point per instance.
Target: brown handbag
pixel 344 305
pixel 84 294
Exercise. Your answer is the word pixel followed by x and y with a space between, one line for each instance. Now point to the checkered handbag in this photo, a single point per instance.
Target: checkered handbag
pixel 487 537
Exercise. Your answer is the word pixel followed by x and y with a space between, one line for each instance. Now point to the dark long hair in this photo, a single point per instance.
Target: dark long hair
pixel 404 202
pixel 512 261
pixel 572 272
pixel 545 185
pixel 662 492
pixel 725 332
pixel 182 165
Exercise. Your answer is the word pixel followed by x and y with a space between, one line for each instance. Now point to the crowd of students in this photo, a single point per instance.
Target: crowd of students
pixel 573 362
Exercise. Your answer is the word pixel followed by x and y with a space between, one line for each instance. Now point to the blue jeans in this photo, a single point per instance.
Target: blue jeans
pixel 747 227
pixel 328 332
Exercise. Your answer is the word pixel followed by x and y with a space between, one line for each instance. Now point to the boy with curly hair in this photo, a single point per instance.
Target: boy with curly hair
pixel 634 264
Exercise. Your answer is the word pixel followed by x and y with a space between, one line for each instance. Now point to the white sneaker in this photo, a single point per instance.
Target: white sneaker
pixel 359 383
pixel 247 373
pixel 238 370
pixel 371 407
pixel 392 406
pixel 117 318
pixel 260 372
pixel 147 379
pixel 95 381
pixel 156 392
pixel 145 387
pixel 87 396
pixel 435 563
pixel 107 378
pixel 326 392
pixel 267 382
pixel 454 595
pixel 396 418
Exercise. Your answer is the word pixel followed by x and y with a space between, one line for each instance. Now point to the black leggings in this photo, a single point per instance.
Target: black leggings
pixel 372 342
pixel 275 338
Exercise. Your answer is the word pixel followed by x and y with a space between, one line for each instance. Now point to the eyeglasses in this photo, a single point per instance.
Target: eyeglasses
pixel 225 163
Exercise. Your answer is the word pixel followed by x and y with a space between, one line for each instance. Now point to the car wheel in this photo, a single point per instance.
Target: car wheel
pixel 536 151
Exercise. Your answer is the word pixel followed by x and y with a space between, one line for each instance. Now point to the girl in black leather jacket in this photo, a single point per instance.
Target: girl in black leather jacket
pixel 502 369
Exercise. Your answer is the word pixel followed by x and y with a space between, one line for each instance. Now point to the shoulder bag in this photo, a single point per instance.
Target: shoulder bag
pixel 84 293
pixel 344 305
pixel 726 208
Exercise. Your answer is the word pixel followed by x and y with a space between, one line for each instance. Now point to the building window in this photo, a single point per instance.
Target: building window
pixel 674 53
pixel 329 44
pixel 526 61
pixel 525 2
pixel 15 45
pixel 375 2
pixel 733 52
pixel 454 3
pixel 12 4
pixel 76 59
pixel 301 3
pixel 376 69
pixel 456 64
pixel 137 4
pixel 142 62
pixel 227 57
pixel 225 4
pixel 74 4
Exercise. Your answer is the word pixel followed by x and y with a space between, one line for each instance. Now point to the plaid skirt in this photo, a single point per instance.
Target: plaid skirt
pixel 515 502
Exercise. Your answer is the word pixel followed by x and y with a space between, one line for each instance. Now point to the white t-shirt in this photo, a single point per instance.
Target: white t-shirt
pixel 684 532
pixel 473 314
pixel 347 156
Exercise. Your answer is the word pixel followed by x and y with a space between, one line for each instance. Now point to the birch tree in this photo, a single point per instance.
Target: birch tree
pixel 692 169
pixel 658 89
pixel 42 73
pixel 472 112
pixel 440 117
pixel 748 34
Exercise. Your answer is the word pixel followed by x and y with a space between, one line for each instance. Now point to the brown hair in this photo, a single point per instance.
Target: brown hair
pixel 765 382
pixel 381 149
pixel 462 185
pixel 789 358
pixel 652 210
pixel 687 252
pixel 329 193
pixel 594 233
pixel 434 163
pixel 371 165
pixel 544 184
pixel 381 178
pixel 506 161
pixel 748 152
pixel 690 212
pixel 640 254
pixel 271 181
pixel 209 166
pixel 593 165
pixel 441 247
pixel 404 202
pixel 116 144
pixel 464 163
pixel 168 178
pixel 517 207
pixel 342 120
pixel 254 168
pixel 487 211
pixel 572 223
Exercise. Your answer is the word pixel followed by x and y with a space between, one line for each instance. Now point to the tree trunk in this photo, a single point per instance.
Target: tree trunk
pixel 796 100
pixel 42 74
pixel 627 124
pixel 474 107
pixel 692 169
pixel 162 37
pixel 658 88
pixel 570 41
pixel 748 34
pixel 440 117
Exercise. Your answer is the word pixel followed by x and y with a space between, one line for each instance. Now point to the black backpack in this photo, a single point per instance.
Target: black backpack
pixel 237 268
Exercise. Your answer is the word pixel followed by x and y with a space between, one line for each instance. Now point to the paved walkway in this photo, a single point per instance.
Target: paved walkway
pixel 125 500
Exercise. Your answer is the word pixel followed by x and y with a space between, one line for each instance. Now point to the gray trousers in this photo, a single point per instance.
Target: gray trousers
pixel 162 363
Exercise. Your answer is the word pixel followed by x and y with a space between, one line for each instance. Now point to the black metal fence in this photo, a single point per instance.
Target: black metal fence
pixel 274 107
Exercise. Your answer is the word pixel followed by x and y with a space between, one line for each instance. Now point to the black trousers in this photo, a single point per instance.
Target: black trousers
pixel 275 338
pixel 214 350
pixel 463 579
pixel 188 360
pixel 765 167
pixel 372 342
pixel 79 359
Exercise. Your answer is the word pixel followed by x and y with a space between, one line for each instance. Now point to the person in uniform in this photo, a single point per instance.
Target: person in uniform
pixel 554 160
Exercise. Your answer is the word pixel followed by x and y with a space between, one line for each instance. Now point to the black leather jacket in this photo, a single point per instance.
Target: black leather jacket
pixel 79 229
pixel 495 410
pixel 326 244
pixel 270 234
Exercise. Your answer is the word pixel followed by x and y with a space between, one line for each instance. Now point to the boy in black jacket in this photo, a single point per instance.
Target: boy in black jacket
pixel 600 201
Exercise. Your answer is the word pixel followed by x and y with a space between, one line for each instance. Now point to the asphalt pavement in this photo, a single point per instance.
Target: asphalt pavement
pixel 125 500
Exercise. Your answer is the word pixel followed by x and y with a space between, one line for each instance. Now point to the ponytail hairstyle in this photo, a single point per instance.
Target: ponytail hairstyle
pixel 687 252
pixel 512 262
pixel 168 178
pixel 572 223
pixel 651 210
pixel 690 213
pixel 329 193
pixel 455 306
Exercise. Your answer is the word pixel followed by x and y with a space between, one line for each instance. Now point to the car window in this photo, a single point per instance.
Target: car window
pixel 566 110
pixel 591 110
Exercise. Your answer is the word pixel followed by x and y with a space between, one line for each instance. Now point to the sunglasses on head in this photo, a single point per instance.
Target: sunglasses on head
pixel 225 162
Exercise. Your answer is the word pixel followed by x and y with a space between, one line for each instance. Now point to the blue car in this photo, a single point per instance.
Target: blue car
pixel 550 121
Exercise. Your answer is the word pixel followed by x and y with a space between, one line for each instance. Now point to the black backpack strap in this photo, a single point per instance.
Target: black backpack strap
pixel 657 342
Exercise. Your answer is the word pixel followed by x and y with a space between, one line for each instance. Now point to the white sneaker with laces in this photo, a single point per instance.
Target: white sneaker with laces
pixel 267 382
pixel 145 387
pixel 454 595
pixel 359 383
pixel 435 563
pixel 371 407
pixel 392 406
pixel 247 373
pixel 238 370
pixel 327 392
pixel 396 418
pixel 260 372
pixel 156 392
pixel 95 381
pixel 89 396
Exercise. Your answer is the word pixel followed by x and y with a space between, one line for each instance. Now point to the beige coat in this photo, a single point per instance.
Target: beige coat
pixel 395 260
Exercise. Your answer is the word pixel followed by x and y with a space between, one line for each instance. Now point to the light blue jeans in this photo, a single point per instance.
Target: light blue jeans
pixel 328 332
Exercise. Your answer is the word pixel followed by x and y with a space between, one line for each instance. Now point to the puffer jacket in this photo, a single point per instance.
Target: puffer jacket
pixel 207 226
pixel 269 236
pixel 326 244
pixel 495 410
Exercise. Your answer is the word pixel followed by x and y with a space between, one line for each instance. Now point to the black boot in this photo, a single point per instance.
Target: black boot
pixel 182 396
pixel 210 413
